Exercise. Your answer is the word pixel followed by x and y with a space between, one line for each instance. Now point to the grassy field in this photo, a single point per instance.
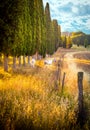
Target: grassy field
pixel 81 48
pixel 29 101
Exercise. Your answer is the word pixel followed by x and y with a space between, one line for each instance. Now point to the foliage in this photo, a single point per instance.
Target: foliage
pixel 69 42
pixel 64 41
pixel 85 43
pixel 53 32
pixel 48 27
pixel 78 38
pixel 26 29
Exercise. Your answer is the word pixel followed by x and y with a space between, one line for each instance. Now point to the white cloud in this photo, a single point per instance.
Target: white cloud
pixel 71 15
pixel 88 24
pixel 75 9
pixel 64 2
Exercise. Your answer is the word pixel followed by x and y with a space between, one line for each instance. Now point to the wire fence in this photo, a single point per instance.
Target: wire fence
pixel 69 70
pixel 79 84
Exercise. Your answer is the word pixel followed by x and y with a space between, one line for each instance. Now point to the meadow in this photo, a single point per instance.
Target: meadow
pixel 29 101
pixel 81 48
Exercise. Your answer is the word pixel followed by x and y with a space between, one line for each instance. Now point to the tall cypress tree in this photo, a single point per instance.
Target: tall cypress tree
pixel 42 48
pixel 9 13
pixel 30 26
pixel 56 42
pixel 59 35
pixel 39 27
pixel 52 46
pixel 48 25
pixel 36 26
pixel 5 30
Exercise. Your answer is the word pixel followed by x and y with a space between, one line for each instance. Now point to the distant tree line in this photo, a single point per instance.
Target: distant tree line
pixel 80 38
pixel 66 41
pixel 26 29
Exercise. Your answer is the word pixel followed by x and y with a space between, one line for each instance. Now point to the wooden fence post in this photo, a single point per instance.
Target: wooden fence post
pixel 59 71
pixel 63 80
pixel 80 97
pixel 58 75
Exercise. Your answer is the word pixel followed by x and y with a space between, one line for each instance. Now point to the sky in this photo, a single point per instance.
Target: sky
pixel 72 15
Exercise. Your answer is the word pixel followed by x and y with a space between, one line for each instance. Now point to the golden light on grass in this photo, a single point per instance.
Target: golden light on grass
pixel 27 97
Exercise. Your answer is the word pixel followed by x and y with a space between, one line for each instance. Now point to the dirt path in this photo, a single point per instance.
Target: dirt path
pixel 80 59
pixel 73 62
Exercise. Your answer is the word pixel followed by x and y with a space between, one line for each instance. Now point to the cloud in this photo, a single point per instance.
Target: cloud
pixel 71 15
pixel 75 9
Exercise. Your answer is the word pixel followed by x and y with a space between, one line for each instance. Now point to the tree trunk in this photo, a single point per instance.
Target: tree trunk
pixel 0 58
pixel 36 55
pixel 14 62
pixel 19 58
pixel 24 61
pixel 29 60
pixel 5 63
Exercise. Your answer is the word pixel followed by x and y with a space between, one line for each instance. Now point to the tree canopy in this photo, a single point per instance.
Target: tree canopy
pixel 26 28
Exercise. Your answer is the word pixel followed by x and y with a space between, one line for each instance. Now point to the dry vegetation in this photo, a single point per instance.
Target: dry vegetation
pixel 29 101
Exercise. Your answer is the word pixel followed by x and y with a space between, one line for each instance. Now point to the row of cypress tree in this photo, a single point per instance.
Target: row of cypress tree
pixel 26 28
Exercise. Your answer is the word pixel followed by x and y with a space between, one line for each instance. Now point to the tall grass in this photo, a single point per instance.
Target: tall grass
pixel 28 101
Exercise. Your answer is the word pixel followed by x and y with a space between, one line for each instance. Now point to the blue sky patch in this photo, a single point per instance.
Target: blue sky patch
pixel 71 15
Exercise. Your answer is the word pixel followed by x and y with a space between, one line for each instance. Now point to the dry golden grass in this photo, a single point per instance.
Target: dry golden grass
pixel 29 101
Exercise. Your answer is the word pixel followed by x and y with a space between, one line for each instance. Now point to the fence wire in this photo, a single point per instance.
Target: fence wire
pixel 69 81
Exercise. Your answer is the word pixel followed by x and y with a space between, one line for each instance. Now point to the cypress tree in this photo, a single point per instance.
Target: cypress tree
pixel 39 27
pixel 56 42
pixel 48 28
pixel 9 13
pixel 42 49
pixel 59 35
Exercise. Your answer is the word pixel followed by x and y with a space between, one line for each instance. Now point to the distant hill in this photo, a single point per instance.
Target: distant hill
pixel 79 38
